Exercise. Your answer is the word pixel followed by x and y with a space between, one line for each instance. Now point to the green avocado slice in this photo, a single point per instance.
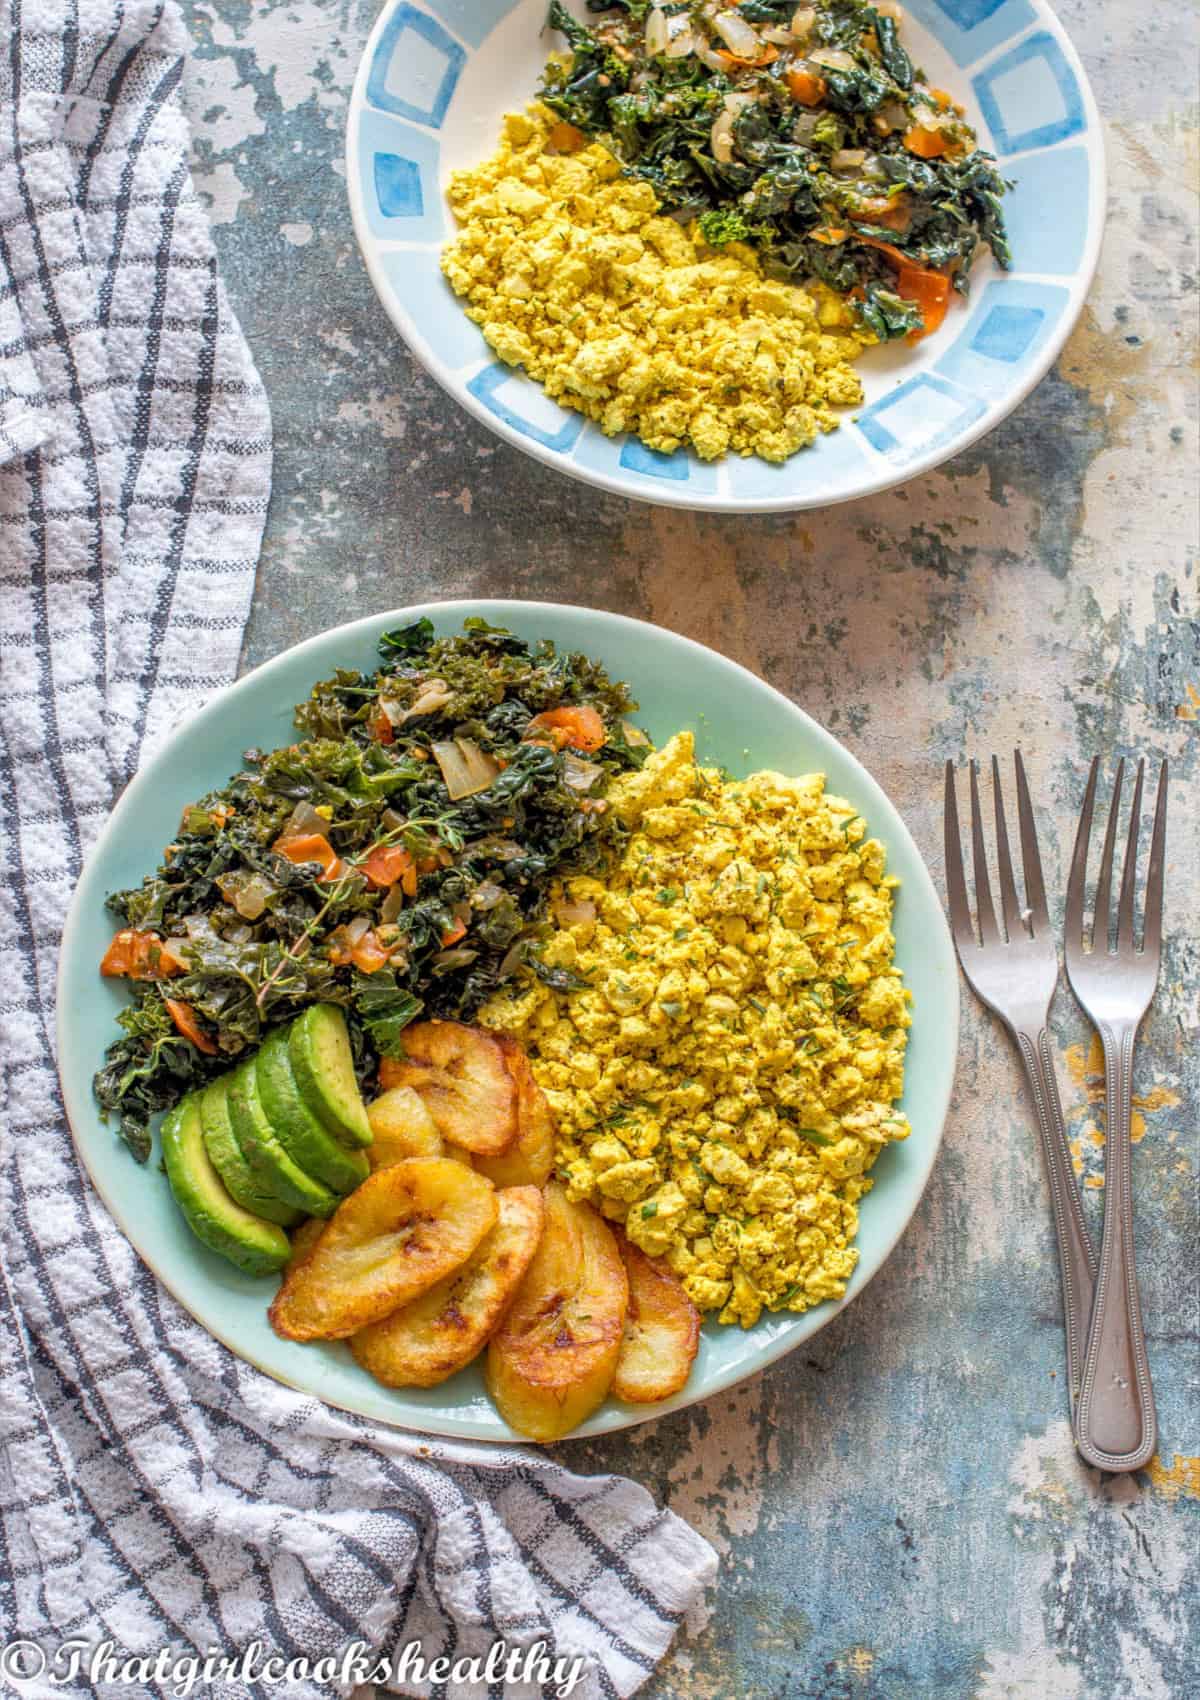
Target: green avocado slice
pixel 254 1245
pixel 261 1148
pixel 302 1135
pixel 226 1157
pixel 323 1064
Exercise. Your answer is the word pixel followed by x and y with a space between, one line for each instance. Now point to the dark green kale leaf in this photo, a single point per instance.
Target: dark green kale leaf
pixel 407 640
pixel 385 1009
pixel 895 60
pixel 887 314
pixel 148 1070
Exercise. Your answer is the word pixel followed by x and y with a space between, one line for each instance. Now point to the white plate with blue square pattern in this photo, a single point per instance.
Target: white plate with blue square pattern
pixel 435 81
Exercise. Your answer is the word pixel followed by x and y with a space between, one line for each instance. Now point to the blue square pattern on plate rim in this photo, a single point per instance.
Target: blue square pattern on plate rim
pixel 1031 100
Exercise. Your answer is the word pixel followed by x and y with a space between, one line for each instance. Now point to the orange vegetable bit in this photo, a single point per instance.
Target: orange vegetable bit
pixel 899 260
pixel 926 144
pixel 141 956
pixel 565 138
pixel 311 847
pixel 931 293
pixel 365 952
pixel 888 214
pixel 386 864
pixel 767 57
pixel 946 101
pixel 184 1017
pixel 582 728
pixel 830 235
pixel 454 933
pixel 380 728
pixel 806 87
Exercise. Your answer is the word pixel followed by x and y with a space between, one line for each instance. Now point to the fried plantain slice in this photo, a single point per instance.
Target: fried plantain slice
pixel 552 1360
pixel 401 1127
pixel 662 1331
pixel 398 1233
pixel 462 1079
pixel 529 1160
pixel 303 1239
pixel 436 1335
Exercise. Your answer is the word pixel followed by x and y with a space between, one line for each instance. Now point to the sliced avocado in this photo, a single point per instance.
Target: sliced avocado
pixel 255 1246
pixel 302 1135
pixel 226 1157
pixel 319 1048
pixel 261 1148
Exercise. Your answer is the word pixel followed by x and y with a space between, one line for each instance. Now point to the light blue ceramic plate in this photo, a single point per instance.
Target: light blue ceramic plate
pixel 438 75
pixel 678 684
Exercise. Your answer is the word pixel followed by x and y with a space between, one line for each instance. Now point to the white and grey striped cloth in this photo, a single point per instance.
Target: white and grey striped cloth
pixel 155 1491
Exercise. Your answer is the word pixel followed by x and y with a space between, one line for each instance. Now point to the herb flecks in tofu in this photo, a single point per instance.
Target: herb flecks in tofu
pixel 804 130
pixel 729 1071
pixel 572 272
pixel 397 859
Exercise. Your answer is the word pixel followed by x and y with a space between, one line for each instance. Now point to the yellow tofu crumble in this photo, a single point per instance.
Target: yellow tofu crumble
pixel 626 317
pixel 727 1067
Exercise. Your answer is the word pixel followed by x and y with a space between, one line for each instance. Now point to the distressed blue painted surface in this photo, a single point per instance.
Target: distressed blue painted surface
pixel 898 1510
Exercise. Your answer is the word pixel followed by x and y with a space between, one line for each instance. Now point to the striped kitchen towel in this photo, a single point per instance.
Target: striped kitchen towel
pixel 157 1494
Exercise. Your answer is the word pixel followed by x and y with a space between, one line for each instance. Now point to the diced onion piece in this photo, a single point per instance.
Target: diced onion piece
pixel 392 904
pixel 722 138
pixel 574 912
pixel 681 37
pixel 634 735
pixel 580 775
pixel 805 126
pixel 465 767
pixel 433 694
pixel 486 895
pixel 848 159
pixel 707 57
pixel 889 9
pixel 354 930
pixel 833 58
pixel 779 37
pixel 253 897
pixel 803 19
pixel 656 31
pixel 304 820
pixel 742 41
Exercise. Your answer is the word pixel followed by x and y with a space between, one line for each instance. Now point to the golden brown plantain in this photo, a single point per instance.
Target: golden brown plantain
pixel 463 1081
pixel 552 1360
pixel 398 1233
pixel 529 1160
pixel 436 1335
pixel 303 1239
pixel 401 1127
pixel 662 1331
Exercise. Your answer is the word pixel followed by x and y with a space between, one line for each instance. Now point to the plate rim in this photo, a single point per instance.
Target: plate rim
pixel 1078 284
pixel 78 1104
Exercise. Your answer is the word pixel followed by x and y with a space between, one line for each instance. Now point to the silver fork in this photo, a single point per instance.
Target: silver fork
pixel 1015 972
pixel 1114 981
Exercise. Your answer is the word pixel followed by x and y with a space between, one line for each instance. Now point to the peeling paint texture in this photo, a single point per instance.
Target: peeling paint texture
pixel 898 1505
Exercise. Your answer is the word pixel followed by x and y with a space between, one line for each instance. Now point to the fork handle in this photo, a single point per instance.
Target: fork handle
pixel 1115 1426
pixel 1076 1259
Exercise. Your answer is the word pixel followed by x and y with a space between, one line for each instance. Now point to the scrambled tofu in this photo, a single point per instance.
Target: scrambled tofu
pixel 625 316
pixel 727 1068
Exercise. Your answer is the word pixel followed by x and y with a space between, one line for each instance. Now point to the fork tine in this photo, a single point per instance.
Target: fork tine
pixel 1102 914
pixel 956 880
pixel 1152 926
pixel 1129 873
pixel 1009 902
pixel 1035 885
pixel 988 930
pixel 1077 880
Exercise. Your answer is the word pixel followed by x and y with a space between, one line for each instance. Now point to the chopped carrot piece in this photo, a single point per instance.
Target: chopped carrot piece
pixel 946 101
pixel 311 847
pixel 582 728
pixel 365 952
pixel 890 215
pixel 768 55
pixel 931 292
pixel 386 864
pixel 142 956
pixel 565 138
pixel 454 933
pixel 806 87
pixel 380 728
pixel 830 235
pixel 899 260
pixel 926 144
pixel 184 1017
